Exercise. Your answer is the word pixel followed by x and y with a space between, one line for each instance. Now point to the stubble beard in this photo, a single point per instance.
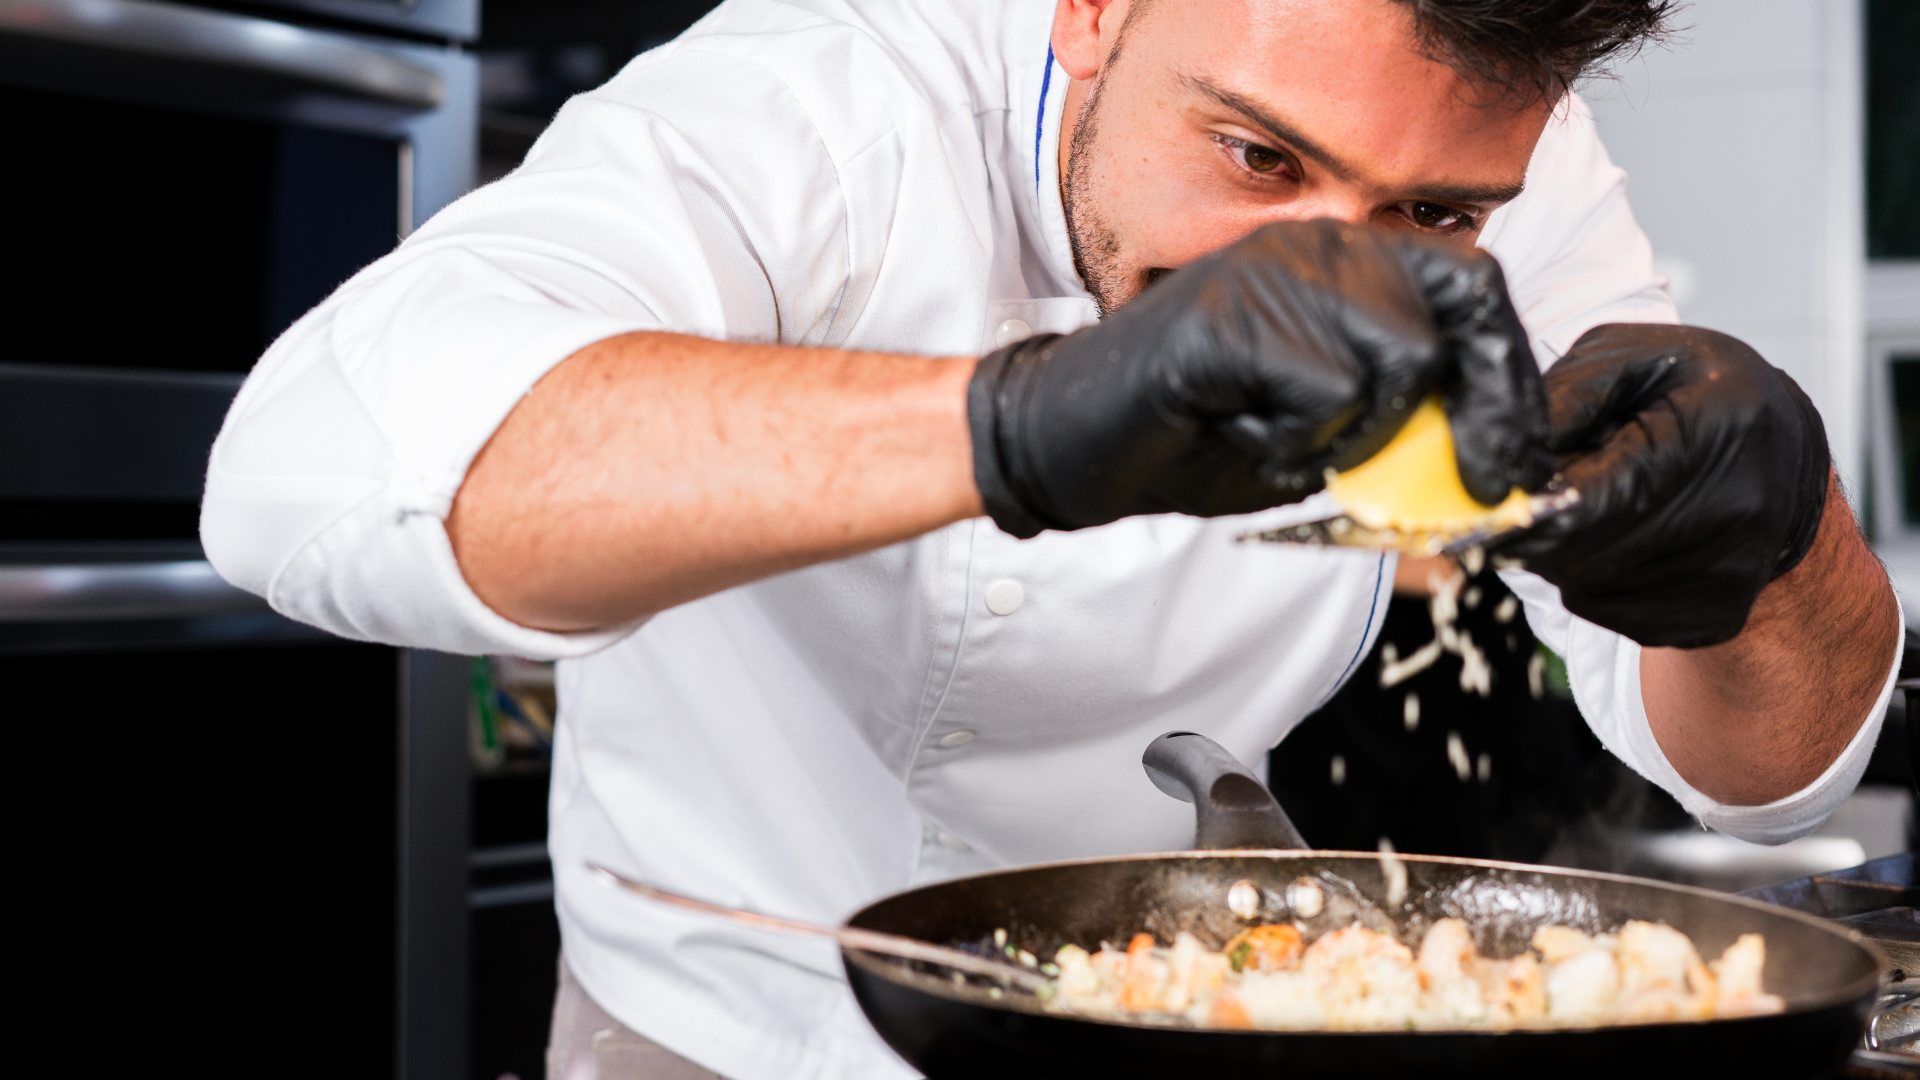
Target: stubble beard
pixel 1095 243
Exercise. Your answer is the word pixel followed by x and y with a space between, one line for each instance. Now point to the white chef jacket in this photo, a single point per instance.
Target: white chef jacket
pixel 873 174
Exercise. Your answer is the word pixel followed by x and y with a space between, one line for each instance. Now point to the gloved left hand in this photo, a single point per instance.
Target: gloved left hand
pixel 1702 472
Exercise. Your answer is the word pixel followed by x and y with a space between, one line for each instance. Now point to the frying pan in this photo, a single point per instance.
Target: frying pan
pixel 949 1027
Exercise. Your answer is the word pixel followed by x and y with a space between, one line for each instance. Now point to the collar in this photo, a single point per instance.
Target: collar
pixel 1039 124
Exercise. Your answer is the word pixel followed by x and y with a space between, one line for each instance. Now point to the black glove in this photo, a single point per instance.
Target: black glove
pixel 1233 383
pixel 1702 472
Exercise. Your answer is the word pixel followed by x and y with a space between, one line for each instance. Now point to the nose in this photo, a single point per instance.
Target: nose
pixel 1339 207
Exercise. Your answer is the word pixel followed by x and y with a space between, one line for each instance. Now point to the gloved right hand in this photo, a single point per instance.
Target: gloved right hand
pixel 1232 384
pixel 1702 471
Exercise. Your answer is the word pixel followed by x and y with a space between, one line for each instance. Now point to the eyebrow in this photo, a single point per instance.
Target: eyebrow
pixel 1470 193
pixel 1284 132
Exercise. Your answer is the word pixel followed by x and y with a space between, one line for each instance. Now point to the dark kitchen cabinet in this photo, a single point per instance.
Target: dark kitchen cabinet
pixel 231 856
pixel 245 840
pixel 514 938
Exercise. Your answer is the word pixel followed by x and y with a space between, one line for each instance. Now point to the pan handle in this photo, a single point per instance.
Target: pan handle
pixel 1232 808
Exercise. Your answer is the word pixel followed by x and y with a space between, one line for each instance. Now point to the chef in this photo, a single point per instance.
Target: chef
pixel 860 400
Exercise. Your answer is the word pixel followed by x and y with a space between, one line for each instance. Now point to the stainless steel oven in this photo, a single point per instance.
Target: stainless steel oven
pixel 452 20
pixel 275 819
pixel 185 183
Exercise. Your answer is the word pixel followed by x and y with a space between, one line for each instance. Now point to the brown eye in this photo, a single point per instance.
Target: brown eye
pixel 1429 216
pixel 1261 159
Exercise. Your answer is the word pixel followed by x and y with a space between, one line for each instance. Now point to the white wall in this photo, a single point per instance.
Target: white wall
pixel 1742 142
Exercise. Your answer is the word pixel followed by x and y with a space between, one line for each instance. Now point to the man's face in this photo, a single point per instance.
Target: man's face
pixel 1206 119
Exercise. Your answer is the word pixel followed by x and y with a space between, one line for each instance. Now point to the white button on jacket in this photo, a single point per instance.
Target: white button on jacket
pixel 874 174
pixel 1011 331
pixel 1005 597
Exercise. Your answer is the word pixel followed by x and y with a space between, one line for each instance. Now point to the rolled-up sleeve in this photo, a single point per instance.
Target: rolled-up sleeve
pixel 1603 669
pixel 329 485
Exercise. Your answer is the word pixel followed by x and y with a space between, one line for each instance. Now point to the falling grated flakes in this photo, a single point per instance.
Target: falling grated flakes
pixel 1412 711
pixel 1536 676
pixel 1395 872
pixel 1444 605
pixel 1473 559
pixel 1475 673
pixel 1399 671
pixel 1483 768
pixel 1506 610
pixel 1338 771
pixel 1457 754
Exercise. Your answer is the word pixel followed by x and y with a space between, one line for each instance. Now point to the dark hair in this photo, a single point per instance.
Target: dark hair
pixel 1533 49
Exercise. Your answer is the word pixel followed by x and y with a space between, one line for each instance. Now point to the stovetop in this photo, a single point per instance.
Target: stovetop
pixel 1878 899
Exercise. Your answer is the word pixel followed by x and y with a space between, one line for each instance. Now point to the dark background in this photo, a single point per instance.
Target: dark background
pixel 1893 129
pixel 137 851
pixel 535 55
pixel 172 293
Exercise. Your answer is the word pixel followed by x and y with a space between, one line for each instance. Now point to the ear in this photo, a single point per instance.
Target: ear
pixel 1083 33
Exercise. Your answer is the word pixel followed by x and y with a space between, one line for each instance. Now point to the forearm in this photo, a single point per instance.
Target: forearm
pixel 1762 716
pixel 652 469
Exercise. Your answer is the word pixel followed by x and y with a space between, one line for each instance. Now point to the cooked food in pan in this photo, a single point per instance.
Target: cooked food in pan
pixel 1357 979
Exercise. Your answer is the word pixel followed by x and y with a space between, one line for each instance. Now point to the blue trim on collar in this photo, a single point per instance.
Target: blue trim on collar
pixel 1040 122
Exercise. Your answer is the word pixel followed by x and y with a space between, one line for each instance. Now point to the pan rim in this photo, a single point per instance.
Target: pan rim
pixel 1857 990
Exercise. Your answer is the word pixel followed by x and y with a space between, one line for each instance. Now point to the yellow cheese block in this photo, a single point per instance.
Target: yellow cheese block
pixel 1413 484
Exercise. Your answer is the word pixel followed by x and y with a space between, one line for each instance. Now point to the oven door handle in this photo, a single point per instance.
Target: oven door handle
pixel 182 589
pixel 216 38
